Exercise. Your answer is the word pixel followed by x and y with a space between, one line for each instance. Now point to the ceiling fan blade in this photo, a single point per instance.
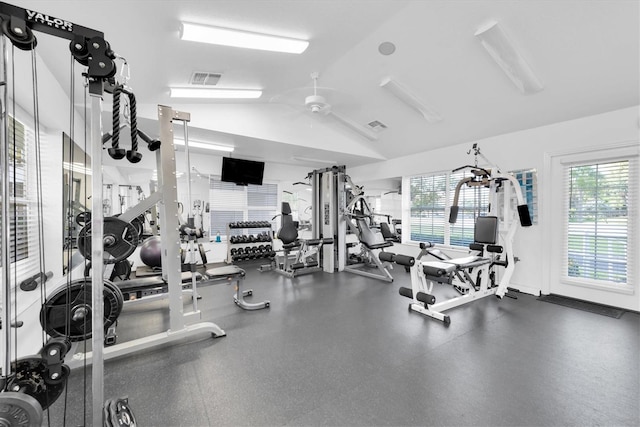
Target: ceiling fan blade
pixel 356 127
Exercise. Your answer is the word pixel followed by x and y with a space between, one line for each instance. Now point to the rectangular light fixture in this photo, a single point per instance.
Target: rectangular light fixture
pixel 205 145
pixel 187 92
pixel 404 94
pixel 310 160
pixel 505 53
pixel 239 38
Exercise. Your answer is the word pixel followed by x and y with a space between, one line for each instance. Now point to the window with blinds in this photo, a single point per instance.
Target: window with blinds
pixel 229 202
pixel 18 205
pixel 432 195
pixel 428 195
pixel 598 221
pixel 528 179
pixel 24 244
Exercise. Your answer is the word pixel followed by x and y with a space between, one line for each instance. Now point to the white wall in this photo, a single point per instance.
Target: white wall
pixel 520 150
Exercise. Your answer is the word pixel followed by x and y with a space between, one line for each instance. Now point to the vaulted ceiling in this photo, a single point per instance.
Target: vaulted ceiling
pixel 585 53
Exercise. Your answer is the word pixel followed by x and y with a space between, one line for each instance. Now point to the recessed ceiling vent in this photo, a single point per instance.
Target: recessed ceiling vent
pixel 200 78
pixel 377 125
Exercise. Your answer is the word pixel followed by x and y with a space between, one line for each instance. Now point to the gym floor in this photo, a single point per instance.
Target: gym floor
pixel 342 350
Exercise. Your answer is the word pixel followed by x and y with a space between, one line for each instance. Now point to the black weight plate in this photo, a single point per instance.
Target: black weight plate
pixel 138 223
pixel 120 240
pixel 19 409
pixel 121 270
pixel 121 414
pixel 29 377
pixel 68 311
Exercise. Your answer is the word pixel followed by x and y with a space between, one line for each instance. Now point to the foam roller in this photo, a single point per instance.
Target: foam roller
pixel 407 261
pixel 386 256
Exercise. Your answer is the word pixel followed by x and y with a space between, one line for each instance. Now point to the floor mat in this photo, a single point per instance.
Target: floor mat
pixel 591 307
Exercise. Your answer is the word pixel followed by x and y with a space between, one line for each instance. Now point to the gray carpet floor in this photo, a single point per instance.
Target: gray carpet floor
pixel 344 350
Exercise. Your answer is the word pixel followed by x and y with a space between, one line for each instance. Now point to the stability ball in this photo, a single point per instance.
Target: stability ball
pixel 151 251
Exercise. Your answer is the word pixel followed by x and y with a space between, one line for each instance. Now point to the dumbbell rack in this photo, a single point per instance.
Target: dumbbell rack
pixel 249 246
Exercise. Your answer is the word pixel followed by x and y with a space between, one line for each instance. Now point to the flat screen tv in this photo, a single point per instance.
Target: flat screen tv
pixel 242 172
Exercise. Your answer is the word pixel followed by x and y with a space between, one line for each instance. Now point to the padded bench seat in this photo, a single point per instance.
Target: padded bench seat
pixel 224 272
pixel 151 281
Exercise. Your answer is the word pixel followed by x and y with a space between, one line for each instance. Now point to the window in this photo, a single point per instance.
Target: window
pixel 23 221
pixel 428 195
pixel 598 234
pixel 231 203
pixel 529 184
pixel 432 195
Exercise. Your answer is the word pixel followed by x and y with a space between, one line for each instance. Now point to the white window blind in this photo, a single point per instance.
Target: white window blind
pixel 600 201
pixel 231 203
pixel 428 195
pixel 24 244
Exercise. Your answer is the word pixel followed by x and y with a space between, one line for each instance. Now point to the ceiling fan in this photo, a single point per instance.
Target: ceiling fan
pixel 317 103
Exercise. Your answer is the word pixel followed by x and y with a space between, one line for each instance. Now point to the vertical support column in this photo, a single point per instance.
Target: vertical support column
pixel 97 230
pixel 316 218
pixel 169 215
pixel 5 288
pixel 326 216
pixel 341 223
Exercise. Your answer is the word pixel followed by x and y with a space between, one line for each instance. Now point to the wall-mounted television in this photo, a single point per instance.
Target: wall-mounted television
pixel 242 172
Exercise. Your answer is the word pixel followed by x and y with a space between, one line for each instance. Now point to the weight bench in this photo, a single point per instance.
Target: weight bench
pixel 233 273
pixel 456 272
pixel 145 289
pixel 141 289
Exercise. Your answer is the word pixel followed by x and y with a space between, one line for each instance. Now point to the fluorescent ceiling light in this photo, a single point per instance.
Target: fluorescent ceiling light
pixel 307 159
pixel 187 92
pixel 505 53
pixel 238 38
pixel 404 94
pixel 205 145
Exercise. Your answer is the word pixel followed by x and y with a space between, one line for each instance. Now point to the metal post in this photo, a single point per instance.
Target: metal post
pixel 190 218
pixel 97 230
pixel 5 289
pixel 169 216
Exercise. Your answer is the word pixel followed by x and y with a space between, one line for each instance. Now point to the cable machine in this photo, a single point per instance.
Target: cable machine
pixel 89 48
pixel 327 205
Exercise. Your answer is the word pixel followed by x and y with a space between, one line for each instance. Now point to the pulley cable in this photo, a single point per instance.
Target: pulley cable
pixel 39 198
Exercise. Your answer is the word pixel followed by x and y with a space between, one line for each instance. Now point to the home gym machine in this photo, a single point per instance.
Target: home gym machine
pixel 338 206
pixel 30 385
pixel 297 256
pixel 473 276
pixel 372 260
pixel 327 206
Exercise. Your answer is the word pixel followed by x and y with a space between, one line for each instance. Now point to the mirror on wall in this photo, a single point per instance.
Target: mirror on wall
pixel 384 197
pixel 76 185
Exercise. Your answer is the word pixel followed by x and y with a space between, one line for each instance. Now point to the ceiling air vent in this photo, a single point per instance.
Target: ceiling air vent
pixel 377 125
pixel 200 78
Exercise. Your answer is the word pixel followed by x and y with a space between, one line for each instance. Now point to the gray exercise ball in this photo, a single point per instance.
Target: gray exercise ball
pixel 151 252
